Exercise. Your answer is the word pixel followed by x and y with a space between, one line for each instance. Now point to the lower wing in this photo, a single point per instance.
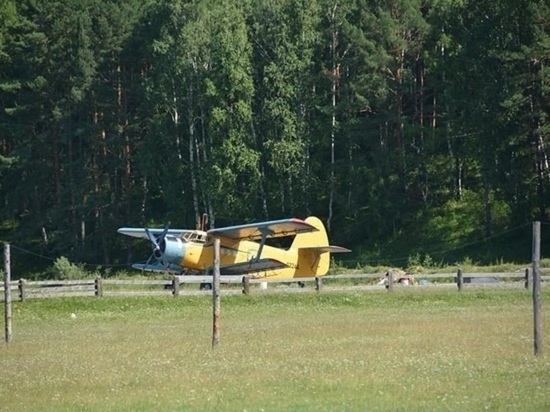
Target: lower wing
pixel 251 267
pixel 158 268
pixel 327 249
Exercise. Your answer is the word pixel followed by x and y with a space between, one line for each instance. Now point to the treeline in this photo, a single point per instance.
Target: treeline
pixel 408 126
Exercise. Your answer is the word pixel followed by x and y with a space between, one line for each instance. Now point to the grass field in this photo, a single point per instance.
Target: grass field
pixel 413 350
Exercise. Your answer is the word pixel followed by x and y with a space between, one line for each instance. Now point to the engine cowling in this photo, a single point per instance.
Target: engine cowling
pixel 173 250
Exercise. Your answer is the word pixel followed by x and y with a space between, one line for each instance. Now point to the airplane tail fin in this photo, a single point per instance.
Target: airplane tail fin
pixel 314 250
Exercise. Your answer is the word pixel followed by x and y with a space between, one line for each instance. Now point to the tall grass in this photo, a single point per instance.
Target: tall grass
pixel 410 350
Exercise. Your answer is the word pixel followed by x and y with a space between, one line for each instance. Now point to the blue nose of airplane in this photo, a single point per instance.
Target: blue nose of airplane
pixel 174 249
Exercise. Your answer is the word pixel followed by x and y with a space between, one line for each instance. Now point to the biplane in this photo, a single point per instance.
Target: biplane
pixel 243 249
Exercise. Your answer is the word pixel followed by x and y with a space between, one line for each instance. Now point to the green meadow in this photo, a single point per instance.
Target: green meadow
pixel 413 350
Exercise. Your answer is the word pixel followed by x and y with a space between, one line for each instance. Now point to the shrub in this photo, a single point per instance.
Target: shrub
pixel 63 269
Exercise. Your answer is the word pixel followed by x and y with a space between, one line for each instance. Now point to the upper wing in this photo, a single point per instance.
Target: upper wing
pixel 272 229
pixel 140 232
pixel 244 268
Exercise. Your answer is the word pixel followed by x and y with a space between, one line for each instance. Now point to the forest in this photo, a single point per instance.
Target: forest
pixel 415 129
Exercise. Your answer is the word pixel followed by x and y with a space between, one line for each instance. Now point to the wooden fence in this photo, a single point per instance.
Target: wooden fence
pixel 194 285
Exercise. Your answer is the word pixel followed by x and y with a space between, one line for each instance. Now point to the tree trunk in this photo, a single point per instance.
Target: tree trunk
pixel 334 87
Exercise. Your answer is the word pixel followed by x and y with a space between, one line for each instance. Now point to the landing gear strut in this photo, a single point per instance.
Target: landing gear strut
pixel 205 286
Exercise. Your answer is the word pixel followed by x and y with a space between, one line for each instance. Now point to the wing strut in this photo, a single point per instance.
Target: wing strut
pixel 265 231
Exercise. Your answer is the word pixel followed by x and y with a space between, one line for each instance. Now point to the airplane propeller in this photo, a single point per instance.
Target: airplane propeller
pixel 159 245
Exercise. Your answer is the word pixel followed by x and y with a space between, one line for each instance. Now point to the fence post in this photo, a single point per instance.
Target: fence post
pixel 389 286
pixel 246 285
pixel 22 289
pixel 318 283
pixel 216 306
pixel 459 280
pixel 175 285
pixel 528 279
pixel 537 300
pixel 99 287
pixel 7 292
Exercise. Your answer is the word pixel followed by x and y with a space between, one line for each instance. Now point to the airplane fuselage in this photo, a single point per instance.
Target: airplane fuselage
pixel 199 257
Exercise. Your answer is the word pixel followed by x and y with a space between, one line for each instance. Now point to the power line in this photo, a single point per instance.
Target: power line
pixel 450 250
pixel 373 261
pixel 51 259
pixel 28 252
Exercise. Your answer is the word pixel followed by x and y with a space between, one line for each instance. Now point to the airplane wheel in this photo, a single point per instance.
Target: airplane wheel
pixel 206 286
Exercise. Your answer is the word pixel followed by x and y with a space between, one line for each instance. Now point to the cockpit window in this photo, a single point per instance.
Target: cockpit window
pixel 194 236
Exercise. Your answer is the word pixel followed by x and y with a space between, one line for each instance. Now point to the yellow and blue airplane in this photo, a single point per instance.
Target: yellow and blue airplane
pixel 243 249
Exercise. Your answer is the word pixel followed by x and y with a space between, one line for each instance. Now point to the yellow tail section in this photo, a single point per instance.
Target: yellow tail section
pixel 312 259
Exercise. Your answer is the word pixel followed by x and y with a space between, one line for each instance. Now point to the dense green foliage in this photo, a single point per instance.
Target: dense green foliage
pixel 412 128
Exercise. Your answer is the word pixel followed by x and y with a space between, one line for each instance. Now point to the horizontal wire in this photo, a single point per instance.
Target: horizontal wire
pixel 397 259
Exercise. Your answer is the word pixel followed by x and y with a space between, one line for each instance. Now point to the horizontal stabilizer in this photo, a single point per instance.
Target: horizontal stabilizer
pixel 327 249
pixel 251 267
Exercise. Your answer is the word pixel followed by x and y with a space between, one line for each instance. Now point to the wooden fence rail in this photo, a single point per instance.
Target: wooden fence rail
pixel 180 285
